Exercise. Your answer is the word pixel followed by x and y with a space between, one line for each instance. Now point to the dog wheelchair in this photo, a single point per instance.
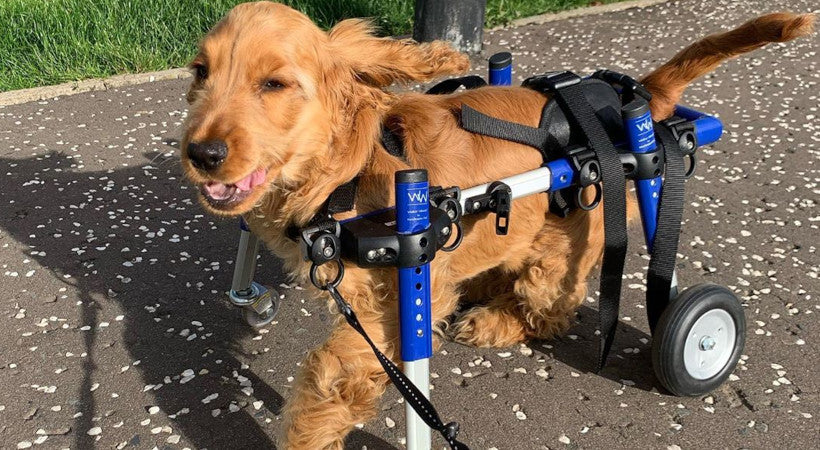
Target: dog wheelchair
pixel 698 334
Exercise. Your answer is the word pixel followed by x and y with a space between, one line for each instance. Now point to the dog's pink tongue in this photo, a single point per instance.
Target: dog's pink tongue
pixel 256 178
pixel 218 191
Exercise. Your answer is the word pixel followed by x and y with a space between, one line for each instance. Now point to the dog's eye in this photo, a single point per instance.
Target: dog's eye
pixel 272 85
pixel 201 72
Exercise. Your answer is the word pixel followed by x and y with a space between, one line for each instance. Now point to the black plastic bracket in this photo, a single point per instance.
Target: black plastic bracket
pixel 552 81
pixel 497 199
pixel 642 166
pixel 684 132
pixel 501 203
pixel 372 240
pixel 585 163
pixel 320 243
pixel 447 200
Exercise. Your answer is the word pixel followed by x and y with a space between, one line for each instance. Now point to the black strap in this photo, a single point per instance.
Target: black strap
pixel 670 213
pixel 406 388
pixel 343 197
pixel 393 142
pixel 573 102
pixel 450 86
pixel 480 123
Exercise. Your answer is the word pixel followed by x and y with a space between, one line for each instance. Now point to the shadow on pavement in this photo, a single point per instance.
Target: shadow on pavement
pixel 88 224
pixel 581 353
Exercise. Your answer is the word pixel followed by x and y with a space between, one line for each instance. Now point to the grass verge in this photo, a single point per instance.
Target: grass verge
pixel 44 42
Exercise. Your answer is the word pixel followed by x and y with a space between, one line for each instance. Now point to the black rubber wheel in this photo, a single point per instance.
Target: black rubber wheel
pixel 698 340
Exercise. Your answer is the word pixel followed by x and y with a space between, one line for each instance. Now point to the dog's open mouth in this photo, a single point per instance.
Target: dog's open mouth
pixel 226 196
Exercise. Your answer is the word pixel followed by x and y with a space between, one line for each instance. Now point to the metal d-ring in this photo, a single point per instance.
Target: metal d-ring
pixel 459 237
pixel 579 198
pixel 336 281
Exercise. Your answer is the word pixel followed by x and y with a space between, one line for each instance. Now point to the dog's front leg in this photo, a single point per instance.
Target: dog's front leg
pixel 340 384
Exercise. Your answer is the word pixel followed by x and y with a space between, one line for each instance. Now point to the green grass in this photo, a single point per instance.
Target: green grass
pixel 45 42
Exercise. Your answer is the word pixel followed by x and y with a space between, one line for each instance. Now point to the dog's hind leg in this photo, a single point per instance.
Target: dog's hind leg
pixel 548 288
pixel 532 307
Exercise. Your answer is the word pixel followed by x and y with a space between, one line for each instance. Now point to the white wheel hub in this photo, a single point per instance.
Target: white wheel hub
pixel 710 344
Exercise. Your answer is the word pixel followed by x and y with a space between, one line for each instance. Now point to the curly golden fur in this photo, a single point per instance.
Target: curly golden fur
pixel 300 112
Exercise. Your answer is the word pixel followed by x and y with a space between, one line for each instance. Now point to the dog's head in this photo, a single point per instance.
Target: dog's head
pixel 277 102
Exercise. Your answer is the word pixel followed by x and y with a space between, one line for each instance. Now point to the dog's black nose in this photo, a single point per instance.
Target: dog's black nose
pixel 207 155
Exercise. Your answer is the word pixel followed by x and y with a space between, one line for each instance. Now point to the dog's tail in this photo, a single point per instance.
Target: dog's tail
pixel 668 82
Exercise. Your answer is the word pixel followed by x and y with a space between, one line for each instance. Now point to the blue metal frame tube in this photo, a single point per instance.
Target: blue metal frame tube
pixel 640 134
pixel 413 215
pixel 415 321
pixel 708 129
pixel 500 71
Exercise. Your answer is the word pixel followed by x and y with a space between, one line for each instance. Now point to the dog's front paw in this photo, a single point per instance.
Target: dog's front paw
pixel 487 327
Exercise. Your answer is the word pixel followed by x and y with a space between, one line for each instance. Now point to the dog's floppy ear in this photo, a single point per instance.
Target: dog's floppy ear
pixel 383 61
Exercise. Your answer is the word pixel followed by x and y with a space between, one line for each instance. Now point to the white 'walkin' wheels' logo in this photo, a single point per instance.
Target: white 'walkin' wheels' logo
pixel 417 197
pixel 645 125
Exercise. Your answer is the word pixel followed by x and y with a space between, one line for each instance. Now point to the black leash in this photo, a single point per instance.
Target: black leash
pixel 667 234
pixel 574 103
pixel 423 407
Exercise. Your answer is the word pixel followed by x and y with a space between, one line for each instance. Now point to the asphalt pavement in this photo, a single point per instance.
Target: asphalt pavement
pixel 115 331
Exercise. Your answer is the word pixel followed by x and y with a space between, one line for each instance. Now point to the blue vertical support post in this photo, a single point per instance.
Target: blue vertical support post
pixel 413 215
pixel 500 69
pixel 640 134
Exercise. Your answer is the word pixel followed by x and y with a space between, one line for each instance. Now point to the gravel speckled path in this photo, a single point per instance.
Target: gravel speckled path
pixel 115 332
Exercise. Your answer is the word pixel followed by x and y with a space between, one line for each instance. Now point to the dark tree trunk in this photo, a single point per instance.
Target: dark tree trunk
pixel 460 22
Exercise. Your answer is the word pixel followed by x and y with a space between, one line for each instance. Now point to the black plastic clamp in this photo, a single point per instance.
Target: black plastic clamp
pixel 320 243
pixel 448 201
pixel 497 199
pixel 684 132
pixel 643 166
pixel 585 163
pixel 372 240
pixel 552 81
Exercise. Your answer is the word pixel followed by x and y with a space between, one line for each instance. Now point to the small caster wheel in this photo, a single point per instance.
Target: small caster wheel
pixel 698 340
pixel 259 320
pixel 261 309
